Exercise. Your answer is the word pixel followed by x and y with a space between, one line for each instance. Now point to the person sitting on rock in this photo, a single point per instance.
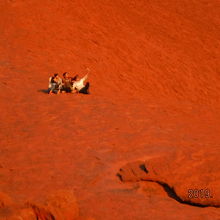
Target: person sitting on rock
pixel 55 84
pixel 78 85
pixel 68 82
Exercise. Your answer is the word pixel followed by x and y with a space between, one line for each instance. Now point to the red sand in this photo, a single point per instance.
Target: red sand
pixel 155 91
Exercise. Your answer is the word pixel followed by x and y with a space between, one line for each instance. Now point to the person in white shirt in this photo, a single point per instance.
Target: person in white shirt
pixel 79 85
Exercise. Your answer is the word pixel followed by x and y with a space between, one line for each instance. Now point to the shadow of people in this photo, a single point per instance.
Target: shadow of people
pixel 46 91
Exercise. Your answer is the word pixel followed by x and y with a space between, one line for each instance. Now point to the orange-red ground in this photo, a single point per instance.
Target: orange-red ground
pixel 155 89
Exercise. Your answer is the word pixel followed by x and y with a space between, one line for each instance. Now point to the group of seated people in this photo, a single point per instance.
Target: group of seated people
pixel 68 84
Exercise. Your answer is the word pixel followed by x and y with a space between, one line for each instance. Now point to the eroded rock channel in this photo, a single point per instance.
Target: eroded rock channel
pixel 183 179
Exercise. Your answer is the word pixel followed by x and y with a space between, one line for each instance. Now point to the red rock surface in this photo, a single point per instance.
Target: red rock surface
pixel 60 205
pixel 154 92
pixel 188 177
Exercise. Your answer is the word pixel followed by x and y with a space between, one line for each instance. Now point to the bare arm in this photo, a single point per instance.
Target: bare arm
pixel 85 77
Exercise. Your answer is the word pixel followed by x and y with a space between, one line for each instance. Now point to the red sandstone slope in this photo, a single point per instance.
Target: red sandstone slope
pixel 147 48
pixel 141 54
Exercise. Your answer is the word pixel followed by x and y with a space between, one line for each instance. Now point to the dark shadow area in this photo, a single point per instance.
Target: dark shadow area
pixel 119 176
pixel 142 167
pixel 43 91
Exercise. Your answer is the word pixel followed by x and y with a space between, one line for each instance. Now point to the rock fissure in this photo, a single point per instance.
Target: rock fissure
pixel 137 172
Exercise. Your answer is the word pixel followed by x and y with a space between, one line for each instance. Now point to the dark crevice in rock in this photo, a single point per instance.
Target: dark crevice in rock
pixel 142 167
pixel 119 176
pixel 172 194
pixel 169 190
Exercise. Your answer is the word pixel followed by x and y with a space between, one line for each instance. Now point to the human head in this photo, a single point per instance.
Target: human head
pixel 65 74
pixel 56 75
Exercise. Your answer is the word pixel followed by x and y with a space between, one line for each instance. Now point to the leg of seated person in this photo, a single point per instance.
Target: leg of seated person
pixel 59 87
pixel 52 88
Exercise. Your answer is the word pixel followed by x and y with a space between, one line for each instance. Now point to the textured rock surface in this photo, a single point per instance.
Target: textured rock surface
pixel 60 205
pixel 154 92
pixel 187 177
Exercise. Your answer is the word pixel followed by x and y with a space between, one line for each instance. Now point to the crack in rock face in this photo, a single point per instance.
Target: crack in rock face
pixel 185 180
